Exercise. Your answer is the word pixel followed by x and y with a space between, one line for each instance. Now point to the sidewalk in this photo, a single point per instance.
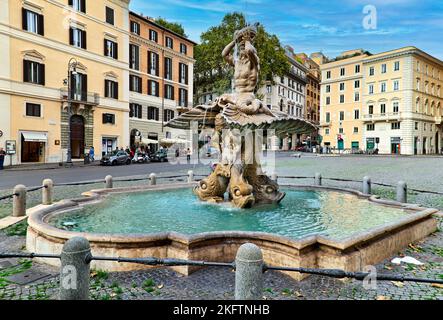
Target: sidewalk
pixel 49 166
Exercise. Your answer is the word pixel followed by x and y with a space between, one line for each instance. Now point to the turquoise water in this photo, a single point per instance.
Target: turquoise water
pixel 300 214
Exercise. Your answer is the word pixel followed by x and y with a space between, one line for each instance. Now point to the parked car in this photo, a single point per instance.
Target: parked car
pixel 115 158
pixel 160 156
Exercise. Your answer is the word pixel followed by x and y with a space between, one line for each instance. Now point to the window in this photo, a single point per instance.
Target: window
pixel 153 113
pixel 168 115
pixel 342 86
pixel 108 118
pixel 371 89
pixel 326 131
pixel 134 57
pixel 356 96
pixel 396 85
pixel 342 98
pixel 169 92
pixel 396 65
pixel 183 69
pixel 111 49
pixel 169 42
pixel 355 129
pixel 135 27
pixel 370 127
pixel 183 48
pixel 78 5
pixel 33 110
pixel 340 130
pixel 395 126
pixel 357 84
pixel 268 89
pixel 328 100
pixel 135 110
pixel 383 87
pixel 383 108
pixel 111 89
pixel 77 38
pixel 342 115
pixel 356 114
pixel 328 75
pixel 135 84
pixel 33 22
pixel 416 126
pixel 153 63
pixel 395 107
pixel 371 109
pixel 328 117
pixel 33 72
pixel 328 88
pixel 383 68
pixel 153 88
pixel 183 97
pixel 371 71
pixel 168 68
pixel 342 72
pixel 357 68
pixel 109 15
pixel 79 85
pixel 153 35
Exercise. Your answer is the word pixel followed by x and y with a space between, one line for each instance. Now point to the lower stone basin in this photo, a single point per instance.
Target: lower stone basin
pixel 313 227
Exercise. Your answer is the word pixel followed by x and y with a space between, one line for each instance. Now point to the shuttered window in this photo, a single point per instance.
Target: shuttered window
pixel 77 38
pixel 111 49
pixel 33 72
pixel 33 22
pixel 153 63
pixel 135 84
pixel 79 5
pixel 111 89
pixel 153 88
pixel 109 15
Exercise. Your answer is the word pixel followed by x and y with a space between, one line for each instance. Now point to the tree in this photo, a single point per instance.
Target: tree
pixel 173 26
pixel 211 71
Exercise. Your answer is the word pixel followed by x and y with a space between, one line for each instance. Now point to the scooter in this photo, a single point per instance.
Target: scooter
pixel 140 158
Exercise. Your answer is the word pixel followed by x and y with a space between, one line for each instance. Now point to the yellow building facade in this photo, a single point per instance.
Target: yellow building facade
pixel 38 40
pixel 399 107
pixel 341 101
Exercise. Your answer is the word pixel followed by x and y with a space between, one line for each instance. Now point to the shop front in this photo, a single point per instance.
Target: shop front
pixel 33 146
pixel 396 145
pixel 108 145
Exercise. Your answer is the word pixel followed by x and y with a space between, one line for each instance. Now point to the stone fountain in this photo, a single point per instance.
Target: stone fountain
pixel 239 120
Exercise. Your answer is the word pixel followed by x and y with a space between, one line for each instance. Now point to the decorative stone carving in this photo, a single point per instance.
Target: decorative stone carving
pixel 237 112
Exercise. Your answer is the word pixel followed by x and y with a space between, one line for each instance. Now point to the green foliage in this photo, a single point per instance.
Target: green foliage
pixel 18 229
pixel 173 26
pixel 211 70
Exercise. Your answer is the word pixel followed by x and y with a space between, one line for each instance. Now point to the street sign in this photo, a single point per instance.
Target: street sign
pixel 11 147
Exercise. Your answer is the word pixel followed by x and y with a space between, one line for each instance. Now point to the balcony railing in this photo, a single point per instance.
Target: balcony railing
pixel 382 116
pixel 80 97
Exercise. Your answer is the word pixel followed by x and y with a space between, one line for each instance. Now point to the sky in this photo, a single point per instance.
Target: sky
pixel 328 26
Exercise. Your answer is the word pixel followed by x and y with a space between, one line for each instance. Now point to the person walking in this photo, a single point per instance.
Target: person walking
pixel 188 155
pixel 2 158
pixel 91 153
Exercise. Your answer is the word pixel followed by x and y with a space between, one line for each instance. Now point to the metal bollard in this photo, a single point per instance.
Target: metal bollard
pixel 19 201
pixel 153 179
pixel 190 176
pixel 47 192
pixel 108 182
pixel 318 179
pixel 74 270
pixel 249 273
pixel 402 192
pixel 367 185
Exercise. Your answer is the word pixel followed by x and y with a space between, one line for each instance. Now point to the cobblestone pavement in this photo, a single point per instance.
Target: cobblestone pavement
pixel 218 284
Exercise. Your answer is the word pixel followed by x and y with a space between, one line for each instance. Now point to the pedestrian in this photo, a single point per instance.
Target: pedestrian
pixel 188 155
pixel 91 154
pixel 2 158
pixel 177 153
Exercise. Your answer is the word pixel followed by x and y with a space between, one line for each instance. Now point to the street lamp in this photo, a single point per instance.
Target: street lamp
pixel 72 70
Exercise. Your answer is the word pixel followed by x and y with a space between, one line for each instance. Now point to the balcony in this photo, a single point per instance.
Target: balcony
pixel 87 98
pixel 390 116
pixel 439 120
pixel 325 124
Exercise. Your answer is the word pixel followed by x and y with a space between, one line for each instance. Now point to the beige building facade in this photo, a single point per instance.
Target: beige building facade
pixel 38 40
pixel 399 107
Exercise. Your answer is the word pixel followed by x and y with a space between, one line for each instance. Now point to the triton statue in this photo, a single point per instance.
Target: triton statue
pixel 239 173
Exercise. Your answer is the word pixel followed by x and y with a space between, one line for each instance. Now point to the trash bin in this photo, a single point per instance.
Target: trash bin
pixel 87 160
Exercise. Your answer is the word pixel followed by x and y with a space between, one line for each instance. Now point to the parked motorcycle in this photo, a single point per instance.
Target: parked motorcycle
pixel 140 158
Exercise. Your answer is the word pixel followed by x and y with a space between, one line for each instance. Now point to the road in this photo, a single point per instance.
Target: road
pixel 8 179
